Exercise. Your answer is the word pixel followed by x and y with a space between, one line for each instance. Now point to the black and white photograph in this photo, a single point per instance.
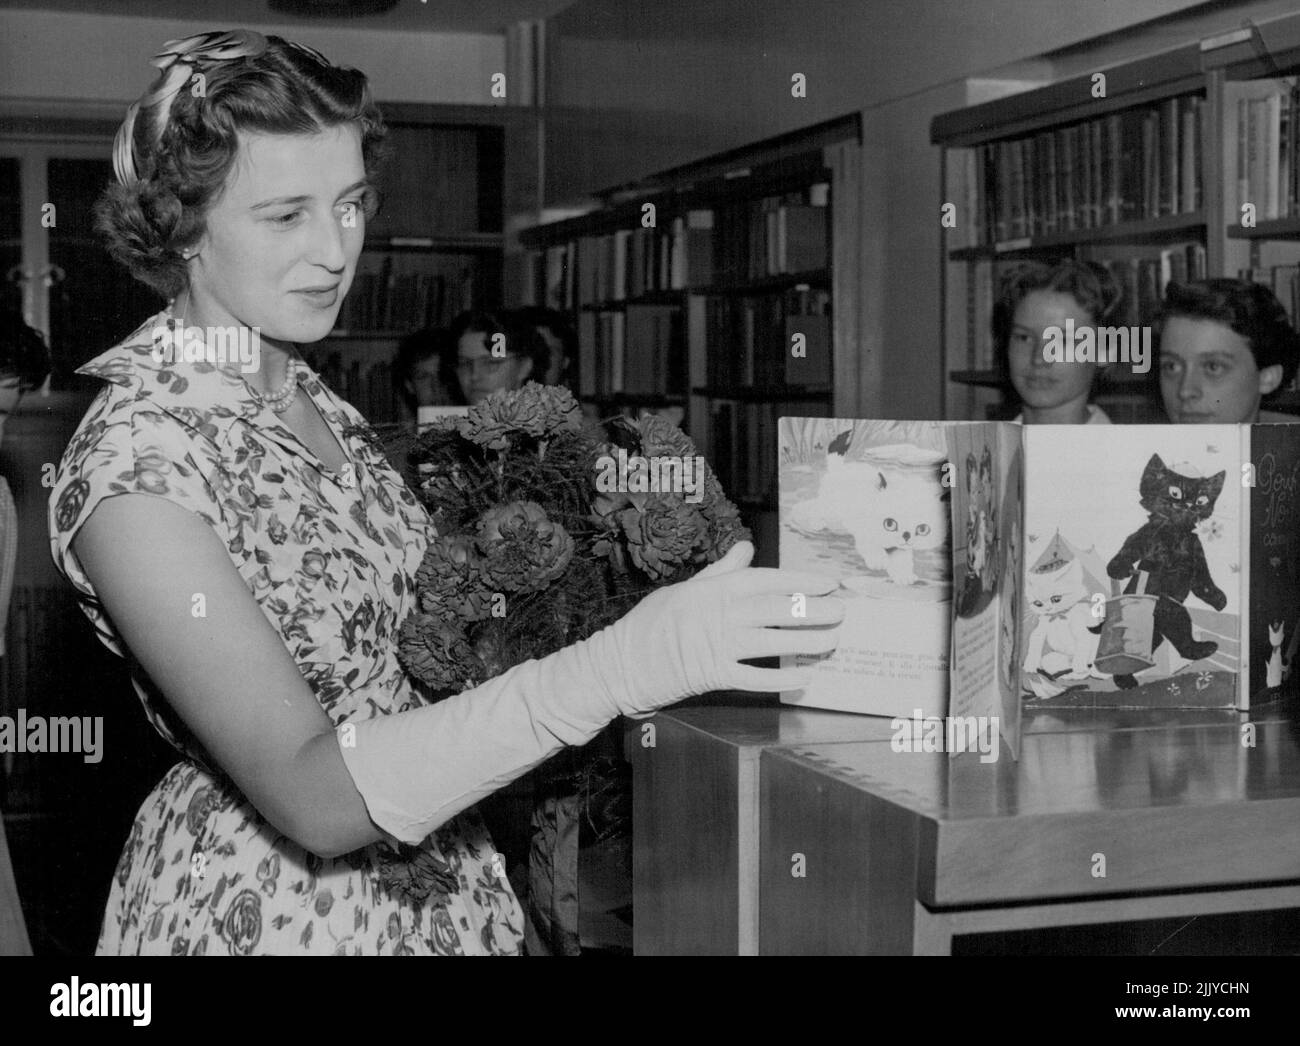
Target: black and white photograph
pixel 610 479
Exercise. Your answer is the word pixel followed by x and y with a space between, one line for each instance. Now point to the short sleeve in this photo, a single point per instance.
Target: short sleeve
pixel 123 448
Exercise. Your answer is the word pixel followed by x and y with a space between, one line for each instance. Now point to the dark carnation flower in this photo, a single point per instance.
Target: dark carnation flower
pixel 523 549
pixel 449 579
pixel 534 410
pixel 436 651
pixel 661 438
pixel 662 536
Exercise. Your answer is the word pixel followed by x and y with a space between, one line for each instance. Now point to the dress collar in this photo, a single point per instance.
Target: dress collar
pixel 202 396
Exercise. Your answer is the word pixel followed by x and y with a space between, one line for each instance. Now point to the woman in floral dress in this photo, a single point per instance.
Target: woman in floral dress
pixel 234 532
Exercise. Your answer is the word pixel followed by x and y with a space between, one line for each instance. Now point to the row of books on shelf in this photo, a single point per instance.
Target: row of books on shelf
pixel 772 236
pixel 1142 281
pixel 1267 146
pixel 1128 166
pixel 628 263
pixel 639 350
pixel 774 339
pixel 1283 281
pixel 398 291
pixel 743 444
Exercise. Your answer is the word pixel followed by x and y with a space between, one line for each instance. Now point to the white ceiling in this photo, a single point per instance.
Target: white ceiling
pixel 441 16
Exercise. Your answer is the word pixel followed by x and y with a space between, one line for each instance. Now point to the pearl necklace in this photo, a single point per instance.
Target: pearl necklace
pixel 282 398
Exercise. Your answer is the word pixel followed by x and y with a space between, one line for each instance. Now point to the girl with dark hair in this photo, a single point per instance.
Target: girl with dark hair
pixel 1225 345
pixel 1036 299
pixel 239 537
pixel 496 351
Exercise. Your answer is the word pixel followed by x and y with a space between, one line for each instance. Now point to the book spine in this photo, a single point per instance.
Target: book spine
pixel 1271 113
pixel 1170 128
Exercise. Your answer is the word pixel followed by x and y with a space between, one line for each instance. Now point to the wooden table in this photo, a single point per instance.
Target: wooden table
pixel 902 851
pixel 695 816
pixel 700 824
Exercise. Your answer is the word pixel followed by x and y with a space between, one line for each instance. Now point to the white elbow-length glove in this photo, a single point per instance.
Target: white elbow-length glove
pixel 418 769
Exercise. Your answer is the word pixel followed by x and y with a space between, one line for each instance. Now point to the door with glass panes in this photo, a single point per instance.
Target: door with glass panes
pixel 55 268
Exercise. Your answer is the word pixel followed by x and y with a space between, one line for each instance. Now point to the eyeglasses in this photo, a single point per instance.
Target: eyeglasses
pixel 482 365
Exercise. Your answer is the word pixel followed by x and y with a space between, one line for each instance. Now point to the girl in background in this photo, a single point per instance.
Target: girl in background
pixel 496 351
pixel 1224 347
pixel 1035 298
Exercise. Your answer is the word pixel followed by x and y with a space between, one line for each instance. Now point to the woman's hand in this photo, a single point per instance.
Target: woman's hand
pixel 418 769
pixel 692 637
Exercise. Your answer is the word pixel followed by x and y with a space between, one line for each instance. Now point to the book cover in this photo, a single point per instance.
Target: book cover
pixel 1133 566
pixel 865 502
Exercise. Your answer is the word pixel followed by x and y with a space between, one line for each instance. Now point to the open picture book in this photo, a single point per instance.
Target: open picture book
pixel 990 567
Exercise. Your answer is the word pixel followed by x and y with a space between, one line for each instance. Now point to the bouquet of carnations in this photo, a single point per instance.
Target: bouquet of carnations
pixel 549 530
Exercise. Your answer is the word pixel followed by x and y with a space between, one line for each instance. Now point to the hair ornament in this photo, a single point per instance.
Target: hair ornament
pixel 176 63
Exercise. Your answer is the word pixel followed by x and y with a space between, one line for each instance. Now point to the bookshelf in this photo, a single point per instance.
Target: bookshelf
pixel 1148 180
pixel 707 290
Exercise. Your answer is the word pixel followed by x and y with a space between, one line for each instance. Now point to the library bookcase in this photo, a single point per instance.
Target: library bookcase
pixel 1146 167
pixel 709 292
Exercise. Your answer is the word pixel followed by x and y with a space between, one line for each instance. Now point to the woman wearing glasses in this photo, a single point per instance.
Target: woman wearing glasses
pixel 495 351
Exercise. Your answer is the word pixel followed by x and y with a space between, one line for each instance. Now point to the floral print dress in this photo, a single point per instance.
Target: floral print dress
pixel 330 558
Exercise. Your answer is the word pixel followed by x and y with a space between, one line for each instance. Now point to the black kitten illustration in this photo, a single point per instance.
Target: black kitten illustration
pixel 1168 549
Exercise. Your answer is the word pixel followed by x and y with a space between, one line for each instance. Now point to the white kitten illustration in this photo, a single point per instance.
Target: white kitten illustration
pixel 1062 644
pixel 905 514
pixel 890 512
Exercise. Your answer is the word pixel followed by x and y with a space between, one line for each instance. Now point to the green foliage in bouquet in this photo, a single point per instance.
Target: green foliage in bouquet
pixel 531 555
